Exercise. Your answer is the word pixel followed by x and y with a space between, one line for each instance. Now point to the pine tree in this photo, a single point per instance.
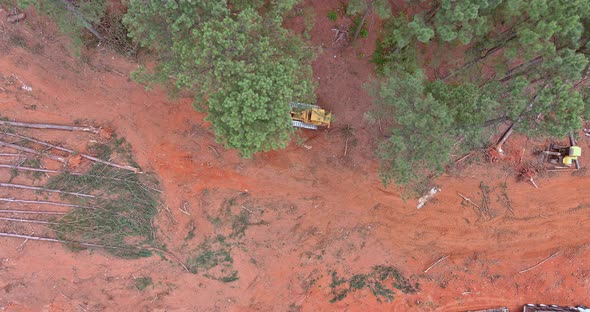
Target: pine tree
pixel 242 67
pixel 530 56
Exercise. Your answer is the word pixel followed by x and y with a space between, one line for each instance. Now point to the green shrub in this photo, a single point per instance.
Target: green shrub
pixel 332 15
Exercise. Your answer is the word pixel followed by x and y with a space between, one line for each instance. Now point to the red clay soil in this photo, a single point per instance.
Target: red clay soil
pixel 322 211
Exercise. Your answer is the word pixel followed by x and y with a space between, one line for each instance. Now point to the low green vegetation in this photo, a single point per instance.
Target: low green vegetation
pixel 377 281
pixel 120 215
pixel 31 162
pixel 213 253
pixel 332 15
pixel 143 282
pixel 212 258
pixel 364 33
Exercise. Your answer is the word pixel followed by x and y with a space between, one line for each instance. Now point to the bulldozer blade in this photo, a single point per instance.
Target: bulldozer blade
pixel 303 125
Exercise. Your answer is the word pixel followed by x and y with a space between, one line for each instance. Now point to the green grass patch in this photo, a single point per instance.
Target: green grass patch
pixel 240 224
pixel 208 259
pixel 336 281
pixel 142 283
pixel 231 278
pixel 377 281
pixel 358 281
pixel 213 259
pixel 332 15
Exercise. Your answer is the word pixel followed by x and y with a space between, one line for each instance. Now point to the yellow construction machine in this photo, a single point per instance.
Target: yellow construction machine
pixel 309 116
pixel 564 156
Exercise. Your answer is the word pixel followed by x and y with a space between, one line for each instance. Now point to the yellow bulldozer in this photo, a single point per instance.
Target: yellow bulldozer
pixel 564 156
pixel 309 116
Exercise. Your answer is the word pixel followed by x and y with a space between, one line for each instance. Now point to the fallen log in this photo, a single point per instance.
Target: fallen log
pixel 32 212
pixel 468 200
pixel 35 188
pixel 67 150
pixel 214 150
pixel 435 263
pixel 49 126
pixel 520 118
pixel 26 220
pixel 362 22
pixel 538 264
pixel 533 183
pixel 32 151
pixel 463 157
pixel 23 168
pixel 82 20
pixel 42 202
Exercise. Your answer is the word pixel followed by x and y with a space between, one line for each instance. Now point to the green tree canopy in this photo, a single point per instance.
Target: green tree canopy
pixel 425 120
pixel 243 67
pixel 528 55
pixel 382 7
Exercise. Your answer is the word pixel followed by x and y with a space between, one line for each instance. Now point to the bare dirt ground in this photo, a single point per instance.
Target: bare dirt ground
pixel 312 210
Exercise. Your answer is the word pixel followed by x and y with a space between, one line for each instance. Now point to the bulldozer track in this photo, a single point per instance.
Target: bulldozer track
pixel 300 124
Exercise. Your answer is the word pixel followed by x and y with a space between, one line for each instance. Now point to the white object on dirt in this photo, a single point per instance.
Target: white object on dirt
pixel 23 85
pixel 422 200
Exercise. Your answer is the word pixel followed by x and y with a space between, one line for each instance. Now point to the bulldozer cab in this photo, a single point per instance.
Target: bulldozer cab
pixel 319 116
pixel 575 151
pixel 309 116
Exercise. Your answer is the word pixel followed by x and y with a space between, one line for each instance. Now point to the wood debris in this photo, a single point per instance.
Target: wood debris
pixel 422 200
pixel 435 263
pixel 538 264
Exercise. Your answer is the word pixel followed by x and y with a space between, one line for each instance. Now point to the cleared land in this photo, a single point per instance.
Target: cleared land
pixel 304 229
